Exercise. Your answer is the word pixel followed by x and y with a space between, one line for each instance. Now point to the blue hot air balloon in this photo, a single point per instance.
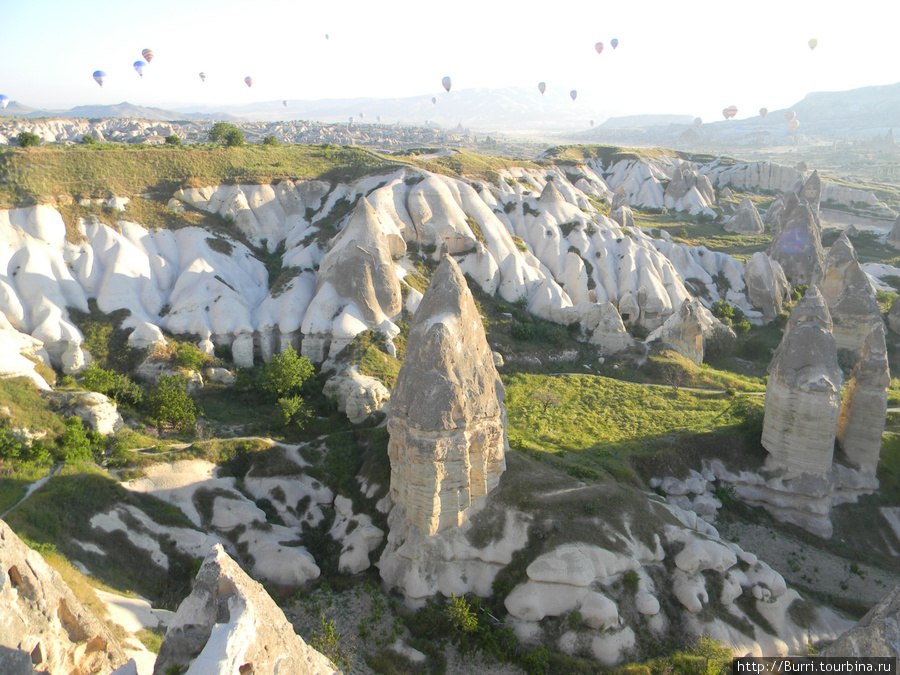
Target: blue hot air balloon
pixel 99 77
pixel 139 67
pixel 614 43
pixel 4 101
pixel 446 82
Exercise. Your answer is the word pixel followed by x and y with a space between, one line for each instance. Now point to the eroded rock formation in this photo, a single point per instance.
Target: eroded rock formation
pixel 448 440
pixel 863 409
pixel 229 624
pixel 767 287
pixel 746 219
pixel 803 393
pixel 687 329
pixel 876 634
pixel 43 626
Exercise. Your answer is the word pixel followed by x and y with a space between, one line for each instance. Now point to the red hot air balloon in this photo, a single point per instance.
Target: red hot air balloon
pixel 793 124
pixel 763 112
pixel 147 54
pixel 730 112
pixel 248 81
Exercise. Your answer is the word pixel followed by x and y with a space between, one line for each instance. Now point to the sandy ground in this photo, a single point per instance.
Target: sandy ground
pixel 811 567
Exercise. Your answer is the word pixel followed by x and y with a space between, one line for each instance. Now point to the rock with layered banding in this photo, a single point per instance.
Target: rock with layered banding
pixel 863 409
pixel 803 393
pixel 448 441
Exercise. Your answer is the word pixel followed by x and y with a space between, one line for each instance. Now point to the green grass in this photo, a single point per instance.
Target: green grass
pixel 43 174
pixel 711 235
pixel 15 477
pixel 29 409
pixel 471 165
pixel 598 423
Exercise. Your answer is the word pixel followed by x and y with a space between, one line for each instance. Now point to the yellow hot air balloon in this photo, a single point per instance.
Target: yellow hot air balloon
pixel 730 112
pixel 763 112
pixel 147 54
pixel 793 124
pixel 813 43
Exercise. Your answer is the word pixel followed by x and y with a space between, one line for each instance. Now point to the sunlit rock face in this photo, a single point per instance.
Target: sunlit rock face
pixel 874 635
pixel 803 393
pixel 229 624
pixel 687 329
pixel 797 245
pixel 746 219
pixel 43 626
pixel 767 287
pixel 863 409
pixel 448 441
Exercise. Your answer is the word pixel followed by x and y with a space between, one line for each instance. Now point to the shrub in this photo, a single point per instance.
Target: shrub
pixel 27 139
pixel 270 140
pixel 294 411
pixel 284 375
pixel 226 134
pixel 170 404
pixel 173 140
pixel 118 387
pixel 87 139
pixel 74 444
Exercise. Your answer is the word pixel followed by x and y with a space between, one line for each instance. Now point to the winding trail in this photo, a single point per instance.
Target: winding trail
pixel 36 485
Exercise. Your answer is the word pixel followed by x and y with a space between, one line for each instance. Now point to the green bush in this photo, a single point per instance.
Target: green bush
pixel 270 140
pixel 87 139
pixel 74 444
pixel 173 140
pixel 284 375
pixel 294 411
pixel 27 139
pixel 226 134
pixel 119 388
pixel 170 405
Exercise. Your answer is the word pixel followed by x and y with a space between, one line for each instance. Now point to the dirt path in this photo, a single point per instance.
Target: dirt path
pixel 36 485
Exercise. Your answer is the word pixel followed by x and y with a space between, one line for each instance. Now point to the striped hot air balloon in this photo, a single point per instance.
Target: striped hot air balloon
pixel 789 115
pixel 730 112
pixel 763 112
pixel 793 124
pixel 147 54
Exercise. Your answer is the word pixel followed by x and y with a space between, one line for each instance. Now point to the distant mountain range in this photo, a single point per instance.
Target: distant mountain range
pixel 859 113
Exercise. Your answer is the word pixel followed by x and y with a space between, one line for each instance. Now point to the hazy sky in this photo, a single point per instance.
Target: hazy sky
pixel 690 58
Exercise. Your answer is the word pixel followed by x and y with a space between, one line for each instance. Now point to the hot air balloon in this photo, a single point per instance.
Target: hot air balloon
pixel 284 103
pixel 729 112
pixel 812 43
pixel 248 81
pixel 573 94
pixel 203 77
pixel 789 115
pixel 446 82
pixel 148 55
pixel 362 115
pixel 99 77
pixel 698 121
pixel 614 43
pixel 793 124
pixel 592 122
pixel 599 47
pixel 139 67
pixel 4 101
pixel 378 119
pixel 542 87
pixel 326 36
pixel 763 112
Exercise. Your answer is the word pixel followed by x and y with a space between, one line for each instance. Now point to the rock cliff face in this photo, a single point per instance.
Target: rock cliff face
pixel 863 409
pixel 447 423
pixel 803 393
pixel 229 624
pixel 797 245
pixel 43 626
pixel 876 634
pixel 746 219
pixel 855 312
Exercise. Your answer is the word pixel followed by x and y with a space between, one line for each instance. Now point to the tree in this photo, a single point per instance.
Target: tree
pixel 173 140
pixel 714 653
pixel 170 404
pixel 294 411
pixel 546 398
pixel 226 134
pixel 284 375
pixel 462 618
pixel 87 139
pixel 74 444
pixel 270 140
pixel 27 139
